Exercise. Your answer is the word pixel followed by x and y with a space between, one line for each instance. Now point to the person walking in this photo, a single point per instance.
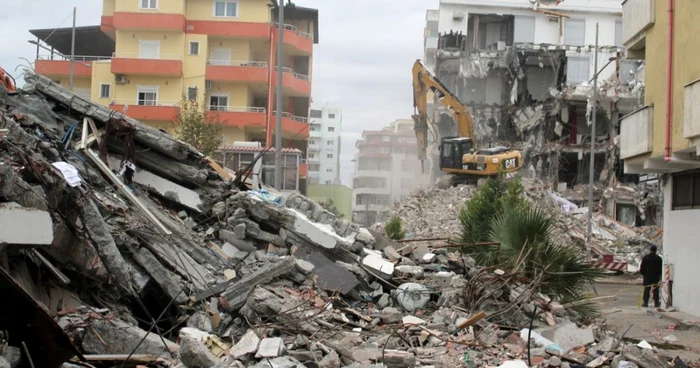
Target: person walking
pixel 651 269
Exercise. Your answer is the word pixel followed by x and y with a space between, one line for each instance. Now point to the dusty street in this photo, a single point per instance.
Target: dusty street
pixel 624 312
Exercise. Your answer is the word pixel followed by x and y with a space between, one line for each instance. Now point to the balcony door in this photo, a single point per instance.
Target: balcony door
pixel 218 102
pixel 220 56
pixel 147 95
pixel 149 49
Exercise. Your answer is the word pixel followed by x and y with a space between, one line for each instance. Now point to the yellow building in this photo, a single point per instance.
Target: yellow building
pixel 148 54
pixel 663 137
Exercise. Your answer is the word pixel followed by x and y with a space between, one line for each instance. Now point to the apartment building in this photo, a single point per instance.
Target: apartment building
pixel 663 136
pixel 386 169
pixel 149 54
pixel 323 154
pixel 525 69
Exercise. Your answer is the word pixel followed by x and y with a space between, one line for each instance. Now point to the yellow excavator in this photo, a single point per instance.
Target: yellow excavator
pixel 460 158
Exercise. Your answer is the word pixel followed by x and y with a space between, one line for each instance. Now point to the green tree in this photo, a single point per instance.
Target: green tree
pixel 201 129
pixel 394 229
pixel 498 212
pixel 329 206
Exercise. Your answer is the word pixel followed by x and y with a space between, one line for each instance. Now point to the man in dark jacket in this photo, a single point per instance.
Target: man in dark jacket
pixel 651 269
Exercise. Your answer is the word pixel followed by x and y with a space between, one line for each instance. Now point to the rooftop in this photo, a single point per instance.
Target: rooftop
pixel 89 40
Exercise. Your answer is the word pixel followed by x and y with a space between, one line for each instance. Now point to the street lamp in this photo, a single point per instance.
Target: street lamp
pixel 589 233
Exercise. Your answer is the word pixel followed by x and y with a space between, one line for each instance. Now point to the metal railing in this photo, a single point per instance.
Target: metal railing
pixel 293 117
pixel 61 57
pixel 294 29
pixel 252 64
pixel 292 72
pixel 236 108
pixel 126 55
pixel 137 102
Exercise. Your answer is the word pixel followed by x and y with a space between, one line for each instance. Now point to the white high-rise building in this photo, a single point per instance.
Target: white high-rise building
pixel 323 154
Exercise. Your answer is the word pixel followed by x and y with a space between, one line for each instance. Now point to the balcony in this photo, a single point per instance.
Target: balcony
pixel 149 110
pixel 144 21
pixel 691 113
pixel 298 83
pixel 636 133
pixel 240 116
pixel 237 71
pixel 82 66
pixel 134 64
pixel 301 41
pixel 296 125
pixel 637 16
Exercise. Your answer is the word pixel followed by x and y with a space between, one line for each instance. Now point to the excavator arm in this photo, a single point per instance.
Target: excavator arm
pixel 423 81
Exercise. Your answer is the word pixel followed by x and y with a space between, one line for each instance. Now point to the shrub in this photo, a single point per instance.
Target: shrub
pixel 394 230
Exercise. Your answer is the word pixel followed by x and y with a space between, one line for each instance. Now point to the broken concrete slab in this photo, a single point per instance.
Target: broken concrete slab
pixel 319 234
pixel 236 295
pixel 118 337
pixel 281 362
pixel 327 274
pixel 415 272
pixel 168 280
pixel 332 360
pixel 241 244
pixel 194 354
pixel 248 344
pixel 398 359
pixel 569 335
pixel 270 348
pixel 379 265
pixel 25 227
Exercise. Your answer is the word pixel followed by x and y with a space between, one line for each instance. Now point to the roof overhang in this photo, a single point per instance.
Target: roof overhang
pixel 89 40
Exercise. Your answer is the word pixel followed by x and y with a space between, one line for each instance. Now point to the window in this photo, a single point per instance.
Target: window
pixel 316 114
pixel 218 102
pixel 385 150
pixel 577 69
pixel 686 191
pixel 314 167
pixel 328 182
pixel 105 90
pixel 329 170
pixel 386 138
pixel 192 93
pixel 574 32
pixel 226 9
pixel 315 127
pixel 220 56
pixel 194 47
pixel 524 29
pixel 330 155
pixel 331 116
pixel 311 155
pixel 147 95
pixel 618 33
pixel 331 129
pixel 330 142
pixel 149 49
pixel 149 4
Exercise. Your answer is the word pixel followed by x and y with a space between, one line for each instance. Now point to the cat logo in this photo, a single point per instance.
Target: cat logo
pixel 510 163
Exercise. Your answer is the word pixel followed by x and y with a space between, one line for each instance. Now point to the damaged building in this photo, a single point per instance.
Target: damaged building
pixel 526 71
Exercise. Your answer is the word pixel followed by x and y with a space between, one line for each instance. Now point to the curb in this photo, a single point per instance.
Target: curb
pixel 682 325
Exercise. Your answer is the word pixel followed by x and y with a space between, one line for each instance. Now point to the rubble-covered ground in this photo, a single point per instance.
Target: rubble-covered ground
pixel 187 267
pixel 434 214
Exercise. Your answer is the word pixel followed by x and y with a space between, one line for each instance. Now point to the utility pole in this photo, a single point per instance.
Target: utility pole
pixel 278 123
pixel 592 156
pixel 72 53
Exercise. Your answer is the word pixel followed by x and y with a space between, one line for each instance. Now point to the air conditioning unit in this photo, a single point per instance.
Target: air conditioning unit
pixel 120 79
pixel 458 16
pixel 207 85
pixel 553 19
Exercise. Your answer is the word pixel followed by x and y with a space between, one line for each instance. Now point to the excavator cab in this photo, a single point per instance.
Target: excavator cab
pixel 451 152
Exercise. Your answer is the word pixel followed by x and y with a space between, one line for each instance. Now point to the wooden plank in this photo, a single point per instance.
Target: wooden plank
pixel 224 174
pixel 472 320
pixel 606 298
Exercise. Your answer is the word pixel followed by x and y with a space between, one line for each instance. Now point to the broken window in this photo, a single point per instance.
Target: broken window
pixel 147 96
pixel 574 32
pixel 225 8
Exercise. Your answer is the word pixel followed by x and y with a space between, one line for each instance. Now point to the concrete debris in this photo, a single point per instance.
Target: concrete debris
pixel 248 278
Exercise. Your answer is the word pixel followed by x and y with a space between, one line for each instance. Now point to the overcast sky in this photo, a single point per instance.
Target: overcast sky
pixel 362 63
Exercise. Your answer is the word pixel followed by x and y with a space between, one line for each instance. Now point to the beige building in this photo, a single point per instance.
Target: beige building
pixel 386 169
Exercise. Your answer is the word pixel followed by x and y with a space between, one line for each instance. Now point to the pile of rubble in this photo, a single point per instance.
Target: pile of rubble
pixel 434 214
pixel 144 253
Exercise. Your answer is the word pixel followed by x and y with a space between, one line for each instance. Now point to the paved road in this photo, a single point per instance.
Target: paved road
pixel 624 312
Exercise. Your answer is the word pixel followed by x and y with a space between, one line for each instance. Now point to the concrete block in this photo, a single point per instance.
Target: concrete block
pixel 270 348
pixel 391 253
pixel 569 335
pixel 248 344
pixel 242 245
pixel 194 354
pixel 365 237
pixel 319 234
pixel 379 265
pixel 412 271
pixel 229 249
pixel 25 226
pixel 239 231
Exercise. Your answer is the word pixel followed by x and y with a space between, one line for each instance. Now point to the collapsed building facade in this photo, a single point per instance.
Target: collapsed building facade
pixel 526 70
